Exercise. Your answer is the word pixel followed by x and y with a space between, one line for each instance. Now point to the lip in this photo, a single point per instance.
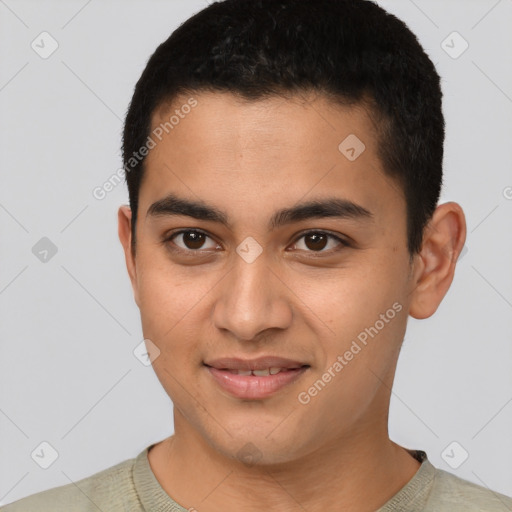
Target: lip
pixel 252 386
pixel 260 363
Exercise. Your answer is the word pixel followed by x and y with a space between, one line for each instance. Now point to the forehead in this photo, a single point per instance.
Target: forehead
pixel 229 122
pixel 235 152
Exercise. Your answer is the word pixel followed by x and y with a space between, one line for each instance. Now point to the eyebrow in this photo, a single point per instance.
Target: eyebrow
pixel 172 205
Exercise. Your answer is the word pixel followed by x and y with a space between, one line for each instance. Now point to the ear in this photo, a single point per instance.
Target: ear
pixel 434 266
pixel 124 229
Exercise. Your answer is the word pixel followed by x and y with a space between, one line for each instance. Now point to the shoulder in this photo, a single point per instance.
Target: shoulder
pixel 452 493
pixel 110 489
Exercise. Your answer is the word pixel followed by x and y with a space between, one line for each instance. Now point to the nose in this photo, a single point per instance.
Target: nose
pixel 252 299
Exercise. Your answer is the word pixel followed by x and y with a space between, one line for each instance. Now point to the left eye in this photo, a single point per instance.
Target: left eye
pixel 317 241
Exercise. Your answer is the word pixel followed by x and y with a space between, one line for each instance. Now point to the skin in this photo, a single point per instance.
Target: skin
pixel 249 159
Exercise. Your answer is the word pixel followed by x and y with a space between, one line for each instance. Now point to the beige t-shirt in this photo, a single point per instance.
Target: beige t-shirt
pixel 132 486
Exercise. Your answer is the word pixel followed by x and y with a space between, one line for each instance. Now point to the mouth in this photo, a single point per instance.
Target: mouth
pixel 256 378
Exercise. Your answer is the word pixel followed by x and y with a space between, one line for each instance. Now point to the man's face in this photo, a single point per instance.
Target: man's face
pixel 261 285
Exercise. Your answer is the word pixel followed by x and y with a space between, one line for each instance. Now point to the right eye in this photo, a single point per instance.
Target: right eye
pixel 189 240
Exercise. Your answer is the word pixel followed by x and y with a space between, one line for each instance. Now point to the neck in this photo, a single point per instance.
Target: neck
pixel 359 472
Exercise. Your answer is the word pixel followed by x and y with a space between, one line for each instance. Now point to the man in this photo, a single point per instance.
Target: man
pixel 284 166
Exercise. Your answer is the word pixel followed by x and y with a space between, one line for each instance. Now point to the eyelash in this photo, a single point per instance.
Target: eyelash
pixel 168 240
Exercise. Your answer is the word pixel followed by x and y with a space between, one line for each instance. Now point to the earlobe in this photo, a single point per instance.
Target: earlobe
pixel 434 266
pixel 124 229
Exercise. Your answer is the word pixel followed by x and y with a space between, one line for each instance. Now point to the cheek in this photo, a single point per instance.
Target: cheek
pixel 167 308
pixel 170 305
pixel 364 311
pixel 357 371
pixel 351 297
pixel 167 292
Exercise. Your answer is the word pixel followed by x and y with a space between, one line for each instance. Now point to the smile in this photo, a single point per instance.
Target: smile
pixel 255 379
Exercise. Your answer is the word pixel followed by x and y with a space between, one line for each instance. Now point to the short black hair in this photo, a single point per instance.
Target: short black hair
pixel 352 51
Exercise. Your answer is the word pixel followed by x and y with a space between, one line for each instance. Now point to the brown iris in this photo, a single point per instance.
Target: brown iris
pixel 193 239
pixel 315 241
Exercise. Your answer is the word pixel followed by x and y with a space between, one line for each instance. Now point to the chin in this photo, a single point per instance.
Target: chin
pixel 254 447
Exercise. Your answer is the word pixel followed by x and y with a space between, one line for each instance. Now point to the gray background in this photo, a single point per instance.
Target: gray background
pixel 68 326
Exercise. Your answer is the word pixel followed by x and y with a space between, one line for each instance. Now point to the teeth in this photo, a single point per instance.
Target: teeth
pixel 261 373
